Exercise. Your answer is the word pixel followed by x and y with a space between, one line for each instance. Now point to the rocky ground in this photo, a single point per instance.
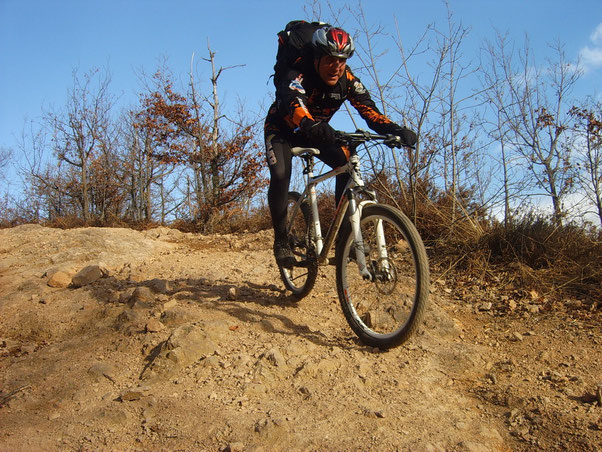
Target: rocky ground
pixel 112 339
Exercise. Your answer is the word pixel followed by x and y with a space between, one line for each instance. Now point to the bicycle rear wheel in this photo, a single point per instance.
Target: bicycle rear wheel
pixel 385 310
pixel 301 278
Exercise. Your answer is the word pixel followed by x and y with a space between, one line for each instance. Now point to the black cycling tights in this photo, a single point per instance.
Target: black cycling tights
pixel 279 157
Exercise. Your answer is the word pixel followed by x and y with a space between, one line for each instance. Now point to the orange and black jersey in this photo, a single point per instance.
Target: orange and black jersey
pixel 305 95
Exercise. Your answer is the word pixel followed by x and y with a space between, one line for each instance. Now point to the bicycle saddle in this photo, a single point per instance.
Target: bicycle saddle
pixel 299 151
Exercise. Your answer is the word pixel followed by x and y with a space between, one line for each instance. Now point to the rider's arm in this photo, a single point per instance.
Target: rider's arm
pixel 363 103
pixel 292 99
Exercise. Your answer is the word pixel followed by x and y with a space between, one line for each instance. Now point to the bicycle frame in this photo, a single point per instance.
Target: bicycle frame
pixel 347 203
pixel 384 302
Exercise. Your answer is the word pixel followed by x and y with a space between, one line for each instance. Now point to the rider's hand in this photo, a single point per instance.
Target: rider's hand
pixel 407 136
pixel 318 132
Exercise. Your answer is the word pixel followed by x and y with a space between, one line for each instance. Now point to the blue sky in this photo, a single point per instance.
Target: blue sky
pixel 43 41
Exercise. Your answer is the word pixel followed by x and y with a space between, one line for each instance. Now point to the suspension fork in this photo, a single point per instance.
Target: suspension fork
pixel 315 218
pixel 382 246
pixel 355 213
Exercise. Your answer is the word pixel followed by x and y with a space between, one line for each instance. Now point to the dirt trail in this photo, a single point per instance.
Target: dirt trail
pixel 187 342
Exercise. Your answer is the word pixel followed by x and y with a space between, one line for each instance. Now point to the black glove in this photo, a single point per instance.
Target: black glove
pixel 318 132
pixel 407 136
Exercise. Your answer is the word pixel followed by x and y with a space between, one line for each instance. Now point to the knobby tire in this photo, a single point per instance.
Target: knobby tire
pixel 301 278
pixel 386 311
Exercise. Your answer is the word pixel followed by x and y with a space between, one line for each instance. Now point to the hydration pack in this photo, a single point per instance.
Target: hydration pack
pixel 294 46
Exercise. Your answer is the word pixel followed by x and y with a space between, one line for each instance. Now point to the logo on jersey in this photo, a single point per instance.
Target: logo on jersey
pixel 296 84
pixel 359 88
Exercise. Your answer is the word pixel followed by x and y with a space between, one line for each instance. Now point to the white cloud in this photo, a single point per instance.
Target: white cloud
pixel 591 57
pixel 596 36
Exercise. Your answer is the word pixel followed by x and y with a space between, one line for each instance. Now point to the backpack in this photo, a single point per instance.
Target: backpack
pixel 294 46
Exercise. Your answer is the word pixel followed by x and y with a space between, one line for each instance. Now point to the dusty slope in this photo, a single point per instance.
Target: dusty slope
pixel 188 343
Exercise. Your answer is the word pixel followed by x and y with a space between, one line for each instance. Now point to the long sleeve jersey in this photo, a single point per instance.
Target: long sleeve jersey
pixel 305 95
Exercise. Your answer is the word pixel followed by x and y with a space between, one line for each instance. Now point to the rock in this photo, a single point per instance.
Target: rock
pixel 170 304
pixel 516 336
pixel 28 349
pixel 59 280
pixel 102 370
pixel 142 298
pixel 305 391
pixel 176 316
pixel 486 306
pixel 113 415
pixel 471 446
pixel 186 344
pixel 129 321
pixel 369 412
pixel 216 329
pixel 160 286
pixel 136 393
pixel 87 275
pixel 439 323
pixel 232 293
pixel 210 361
pixel 491 434
pixel 274 356
pixel 235 447
pixel 154 326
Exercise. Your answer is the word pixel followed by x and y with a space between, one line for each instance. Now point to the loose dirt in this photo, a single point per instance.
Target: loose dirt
pixel 187 342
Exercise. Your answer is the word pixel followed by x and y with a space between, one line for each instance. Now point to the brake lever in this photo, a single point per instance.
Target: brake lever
pixel 393 141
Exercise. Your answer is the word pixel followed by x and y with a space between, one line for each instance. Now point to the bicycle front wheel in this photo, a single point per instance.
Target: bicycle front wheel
pixel 385 308
pixel 300 279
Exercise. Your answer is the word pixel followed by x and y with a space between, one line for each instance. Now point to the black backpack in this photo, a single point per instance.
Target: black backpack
pixel 294 46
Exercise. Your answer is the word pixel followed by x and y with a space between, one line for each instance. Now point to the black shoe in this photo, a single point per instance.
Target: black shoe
pixel 283 254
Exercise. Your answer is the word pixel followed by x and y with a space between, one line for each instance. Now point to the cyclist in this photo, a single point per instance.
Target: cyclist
pixel 306 100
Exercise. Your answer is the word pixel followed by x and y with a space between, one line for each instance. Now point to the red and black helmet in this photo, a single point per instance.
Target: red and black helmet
pixel 333 41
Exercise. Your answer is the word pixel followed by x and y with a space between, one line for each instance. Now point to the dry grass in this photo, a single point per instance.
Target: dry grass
pixel 531 253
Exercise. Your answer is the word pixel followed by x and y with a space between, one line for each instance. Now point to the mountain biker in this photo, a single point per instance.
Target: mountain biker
pixel 306 100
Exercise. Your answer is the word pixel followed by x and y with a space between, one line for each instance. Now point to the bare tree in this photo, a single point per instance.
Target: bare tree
pixel 458 103
pixel 5 158
pixel 588 126
pixel 224 161
pixel 419 104
pixel 535 113
pixel 46 186
pixel 83 128
pixel 142 172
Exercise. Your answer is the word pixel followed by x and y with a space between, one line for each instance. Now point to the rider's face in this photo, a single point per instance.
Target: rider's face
pixel 330 69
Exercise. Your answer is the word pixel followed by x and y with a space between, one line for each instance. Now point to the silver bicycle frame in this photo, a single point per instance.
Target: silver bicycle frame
pixel 347 202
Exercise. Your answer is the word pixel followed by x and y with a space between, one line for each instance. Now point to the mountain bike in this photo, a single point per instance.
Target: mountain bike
pixel 382 272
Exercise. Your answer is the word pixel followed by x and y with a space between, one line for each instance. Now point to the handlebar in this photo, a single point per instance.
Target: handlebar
pixel 362 136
